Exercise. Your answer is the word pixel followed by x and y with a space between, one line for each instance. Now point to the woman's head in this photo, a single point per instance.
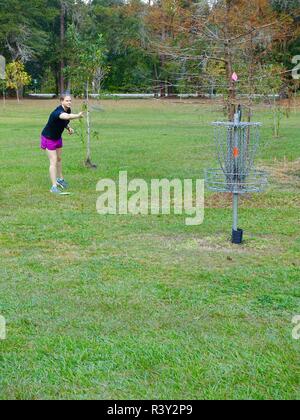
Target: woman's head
pixel 66 100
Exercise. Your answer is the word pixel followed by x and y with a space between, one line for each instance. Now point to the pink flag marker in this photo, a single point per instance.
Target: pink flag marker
pixel 235 77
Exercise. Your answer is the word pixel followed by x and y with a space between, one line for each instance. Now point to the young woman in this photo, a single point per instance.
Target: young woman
pixel 51 141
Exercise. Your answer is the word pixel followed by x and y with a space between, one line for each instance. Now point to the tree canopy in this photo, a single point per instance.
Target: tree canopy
pixel 161 46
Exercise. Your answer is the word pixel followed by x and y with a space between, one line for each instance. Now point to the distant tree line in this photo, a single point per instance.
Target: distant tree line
pixel 161 46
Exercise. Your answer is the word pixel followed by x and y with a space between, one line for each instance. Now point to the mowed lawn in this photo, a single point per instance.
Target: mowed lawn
pixel 123 307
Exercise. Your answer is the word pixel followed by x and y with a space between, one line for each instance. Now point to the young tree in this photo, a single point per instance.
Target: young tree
pixel 17 77
pixel 269 84
pixel 86 65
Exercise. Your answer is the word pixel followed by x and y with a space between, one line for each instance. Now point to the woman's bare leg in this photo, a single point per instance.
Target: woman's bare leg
pixel 59 164
pixel 52 155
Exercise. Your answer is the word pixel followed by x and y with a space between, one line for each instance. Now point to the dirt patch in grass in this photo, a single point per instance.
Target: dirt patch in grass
pixel 218 243
pixel 218 201
pixel 224 201
pixel 221 244
pixel 285 173
pixel 261 201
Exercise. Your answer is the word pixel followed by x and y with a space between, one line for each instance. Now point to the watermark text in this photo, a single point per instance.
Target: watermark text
pixel 296 69
pixel 2 328
pixel 296 329
pixel 160 196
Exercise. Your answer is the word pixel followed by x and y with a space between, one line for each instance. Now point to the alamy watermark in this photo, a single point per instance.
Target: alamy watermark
pixel 2 328
pixel 296 329
pixel 296 69
pixel 2 67
pixel 160 196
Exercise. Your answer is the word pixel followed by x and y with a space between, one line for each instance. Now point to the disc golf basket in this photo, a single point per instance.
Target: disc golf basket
pixel 237 145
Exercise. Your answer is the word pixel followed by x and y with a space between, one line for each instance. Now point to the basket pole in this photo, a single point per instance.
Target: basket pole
pixel 235 211
pixel 236 171
pixel 236 233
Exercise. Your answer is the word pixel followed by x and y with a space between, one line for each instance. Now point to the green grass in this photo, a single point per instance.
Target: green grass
pixel 142 307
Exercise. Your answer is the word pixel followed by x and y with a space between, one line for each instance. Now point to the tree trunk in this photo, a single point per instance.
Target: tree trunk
pixel 162 59
pixel 88 154
pixel 170 89
pixel 88 162
pixel 156 86
pixel 162 89
pixel 231 101
pixel 231 85
pixel 251 74
pixel 62 43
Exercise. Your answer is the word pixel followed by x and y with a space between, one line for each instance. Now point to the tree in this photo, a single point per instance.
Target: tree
pixel 233 34
pixel 66 7
pixel 165 20
pixel 285 5
pixel 22 28
pixel 17 77
pixel 27 32
pixel 241 34
pixel 123 28
pixel 162 45
pixel 86 65
pixel 269 84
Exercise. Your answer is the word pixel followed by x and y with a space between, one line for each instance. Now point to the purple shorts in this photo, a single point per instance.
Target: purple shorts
pixel 51 144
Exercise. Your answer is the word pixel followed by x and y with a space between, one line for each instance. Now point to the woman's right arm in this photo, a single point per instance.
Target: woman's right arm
pixel 69 117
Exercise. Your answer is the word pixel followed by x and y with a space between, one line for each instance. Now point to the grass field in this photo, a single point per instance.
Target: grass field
pixel 123 307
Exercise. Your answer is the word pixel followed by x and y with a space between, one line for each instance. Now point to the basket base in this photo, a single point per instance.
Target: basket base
pixel 237 236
